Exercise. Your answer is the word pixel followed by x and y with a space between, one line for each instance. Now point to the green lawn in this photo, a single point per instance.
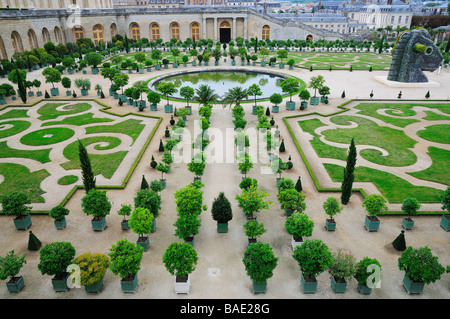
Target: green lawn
pixel 78 120
pixel 129 127
pixel 395 142
pixel 49 112
pixel 439 133
pixel 13 114
pixel 105 164
pixel 47 136
pixel 439 171
pixel 38 155
pixel 19 178
pixel 17 127
pixel 393 188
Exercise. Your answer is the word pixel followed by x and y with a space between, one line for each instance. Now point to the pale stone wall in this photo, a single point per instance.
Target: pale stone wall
pixel 244 23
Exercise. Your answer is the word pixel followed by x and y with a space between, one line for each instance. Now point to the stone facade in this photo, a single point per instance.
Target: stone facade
pixel 25 29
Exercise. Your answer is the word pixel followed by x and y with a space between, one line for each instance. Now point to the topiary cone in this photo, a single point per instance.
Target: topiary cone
pixel 34 243
pixel 399 242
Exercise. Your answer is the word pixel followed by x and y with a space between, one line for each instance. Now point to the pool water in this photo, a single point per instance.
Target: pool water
pixel 222 81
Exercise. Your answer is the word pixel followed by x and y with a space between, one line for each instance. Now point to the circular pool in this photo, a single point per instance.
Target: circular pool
pixel 221 80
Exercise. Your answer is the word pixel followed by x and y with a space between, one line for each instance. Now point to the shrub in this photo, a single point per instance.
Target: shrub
pixel 10 265
pixel 125 210
pixel 55 257
pixel 149 199
pixel 410 206
pixel 363 272
pixel 259 261
pixel 221 209
pixel 253 228
pixel 93 267
pixel 420 265
pixel 180 259
pixel 375 204
pixel 285 183
pixel 332 207
pixel 299 225
pixel 125 258
pixel 58 212
pixel 96 203
pixel 343 265
pixel 141 221
pixel 16 204
pixel 292 200
pixel 313 257
pixel 247 182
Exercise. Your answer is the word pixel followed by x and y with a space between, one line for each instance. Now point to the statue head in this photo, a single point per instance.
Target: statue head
pixel 414 53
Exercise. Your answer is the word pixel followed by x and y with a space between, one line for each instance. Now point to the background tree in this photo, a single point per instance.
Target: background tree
pixel 86 168
pixel 347 182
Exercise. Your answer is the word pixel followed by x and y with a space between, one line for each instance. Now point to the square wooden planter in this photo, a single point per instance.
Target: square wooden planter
pixel 168 108
pixel 98 224
pixel 60 224
pixel 363 289
pixel 124 224
pixel 412 287
pixel 222 227
pixel 129 285
pixel 309 285
pixel 15 284
pixel 407 223
pixel 290 106
pixel 182 284
pixel 94 288
pixel 338 287
pixel 372 223
pixel 144 242
pixel 259 287
pixel 22 222
pixel 275 109
pixel 330 224
pixel 445 222
pixel 296 242
pixel 59 283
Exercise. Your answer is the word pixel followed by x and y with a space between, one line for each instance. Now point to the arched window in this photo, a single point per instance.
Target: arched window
pixel 79 33
pixel 3 54
pixel 154 30
pixel 195 31
pixel 265 32
pixel 32 39
pixel 134 27
pixel 45 35
pixel 58 35
pixel 113 30
pixel 16 41
pixel 175 31
pixel 98 34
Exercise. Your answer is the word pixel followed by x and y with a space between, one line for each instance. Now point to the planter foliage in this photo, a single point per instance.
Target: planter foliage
pixel 420 265
pixel 141 221
pixel 55 257
pixel 292 200
pixel 96 203
pixel 221 209
pixel 299 225
pixel 259 261
pixel 125 258
pixel 11 264
pixel 343 265
pixel 368 272
pixel 313 257
pixel 93 267
pixel 180 259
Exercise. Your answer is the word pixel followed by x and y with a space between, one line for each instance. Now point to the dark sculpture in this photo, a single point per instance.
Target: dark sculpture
pixel 413 53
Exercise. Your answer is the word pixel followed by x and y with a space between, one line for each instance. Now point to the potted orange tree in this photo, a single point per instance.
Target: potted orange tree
pixel 253 229
pixel 331 207
pixel 54 260
pixel 259 261
pixel 93 268
pixel 125 210
pixel 10 266
pixel 221 212
pixel 374 205
pixel 180 260
pixel 342 269
pixel 126 260
pixel 96 203
pixel 420 267
pixel 59 213
pixel 313 258
pixel 141 221
pixel 410 206
pixel 16 204
pixel 298 225
pixel 367 274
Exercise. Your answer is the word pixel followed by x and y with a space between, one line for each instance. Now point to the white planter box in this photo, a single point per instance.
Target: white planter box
pixel 182 287
pixel 295 243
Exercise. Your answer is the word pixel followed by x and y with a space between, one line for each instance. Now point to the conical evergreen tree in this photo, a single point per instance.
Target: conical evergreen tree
pixel 267 111
pixel 46 95
pixel 161 146
pixel 86 169
pixel 144 184
pixel 298 185
pixel 347 182
pixel 343 94
pixel 282 148
pixel 153 163
pixel 34 244
pixel 399 242
pixel 427 96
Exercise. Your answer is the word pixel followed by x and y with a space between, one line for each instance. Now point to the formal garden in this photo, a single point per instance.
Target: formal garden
pixel 111 188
